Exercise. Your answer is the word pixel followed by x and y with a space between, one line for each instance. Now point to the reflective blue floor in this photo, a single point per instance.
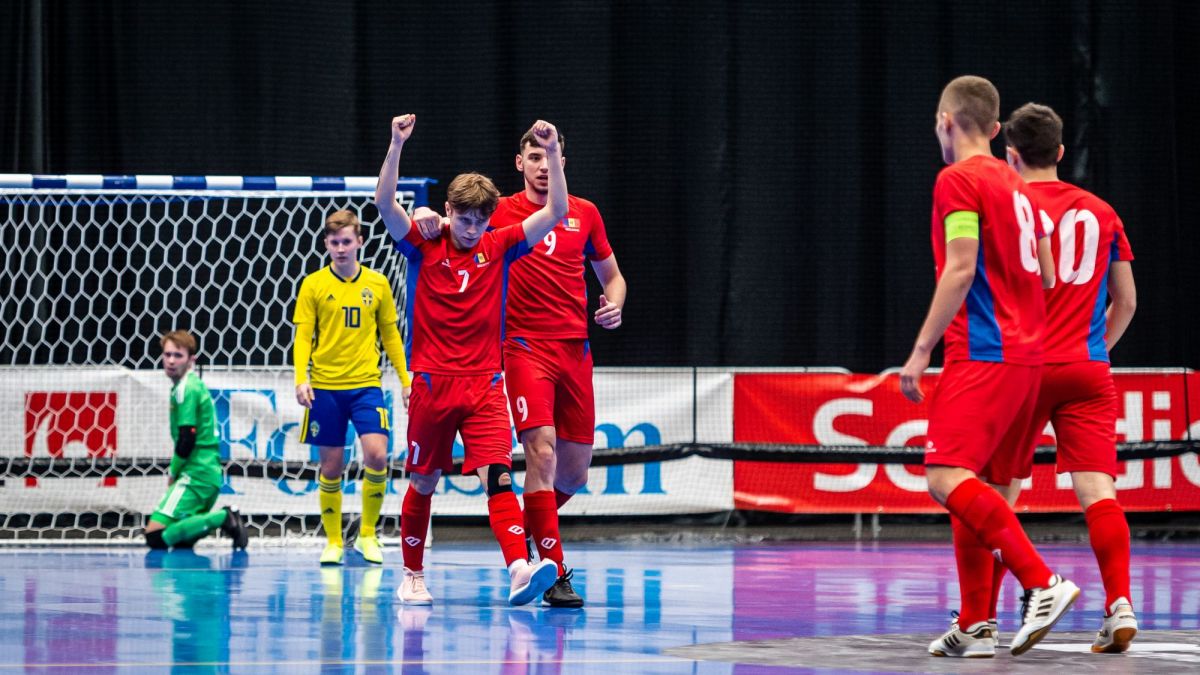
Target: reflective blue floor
pixel 274 610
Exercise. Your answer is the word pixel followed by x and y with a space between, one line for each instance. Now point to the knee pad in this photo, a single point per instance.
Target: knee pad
pixel 494 473
pixel 155 540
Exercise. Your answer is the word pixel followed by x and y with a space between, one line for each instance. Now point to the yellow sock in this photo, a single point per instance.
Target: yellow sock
pixel 374 486
pixel 330 496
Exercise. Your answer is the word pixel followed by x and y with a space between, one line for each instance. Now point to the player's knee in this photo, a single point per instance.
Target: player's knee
pixel 570 483
pixel 499 480
pixel 424 483
pixel 155 540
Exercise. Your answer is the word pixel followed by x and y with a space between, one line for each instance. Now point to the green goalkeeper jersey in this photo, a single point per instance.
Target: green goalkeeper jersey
pixel 192 406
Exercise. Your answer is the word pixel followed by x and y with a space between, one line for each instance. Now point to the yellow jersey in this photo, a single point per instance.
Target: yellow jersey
pixel 346 314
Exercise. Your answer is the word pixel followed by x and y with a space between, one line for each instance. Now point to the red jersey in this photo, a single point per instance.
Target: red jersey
pixel 1004 316
pixel 1086 235
pixel 547 294
pixel 456 301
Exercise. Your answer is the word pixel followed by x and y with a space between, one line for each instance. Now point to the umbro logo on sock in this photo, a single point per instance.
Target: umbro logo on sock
pixel 412 541
pixel 517 529
pixel 548 542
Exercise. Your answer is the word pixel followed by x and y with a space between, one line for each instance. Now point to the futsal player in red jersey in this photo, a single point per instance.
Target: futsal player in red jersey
pixel 990 256
pixel 547 357
pixel 1077 394
pixel 455 296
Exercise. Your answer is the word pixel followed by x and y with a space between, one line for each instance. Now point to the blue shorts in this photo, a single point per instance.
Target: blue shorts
pixel 325 423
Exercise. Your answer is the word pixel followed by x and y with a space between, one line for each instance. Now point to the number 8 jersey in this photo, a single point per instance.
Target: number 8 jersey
pixel 1086 236
pixel 1004 316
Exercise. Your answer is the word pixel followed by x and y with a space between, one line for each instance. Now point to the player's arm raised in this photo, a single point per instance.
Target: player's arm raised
pixel 394 217
pixel 543 221
pixel 951 291
pixel 1124 301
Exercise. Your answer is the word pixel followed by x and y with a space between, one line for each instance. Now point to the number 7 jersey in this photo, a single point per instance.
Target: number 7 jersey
pixel 1004 316
pixel 1086 236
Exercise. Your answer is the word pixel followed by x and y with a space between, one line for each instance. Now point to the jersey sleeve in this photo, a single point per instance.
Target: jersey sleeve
pixel 1121 248
pixel 306 305
pixel 597 247
pixel 510 242
pixel 413 244
pixel 387 304
pixel 955 191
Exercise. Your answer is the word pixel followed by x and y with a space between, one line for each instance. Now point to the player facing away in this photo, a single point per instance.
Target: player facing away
pixel 547 357
pixel 990 254
pixel 1077 394
pixel 456 314
pixel 185 514
pixel 340 310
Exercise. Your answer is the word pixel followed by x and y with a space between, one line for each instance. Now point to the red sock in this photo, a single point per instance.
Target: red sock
pixel 414 527
pixel 998 572
pixel 504 513
pixel 541 519
pixel 1109 532
pixel 975 563
pixel 561 497
pixel 985 512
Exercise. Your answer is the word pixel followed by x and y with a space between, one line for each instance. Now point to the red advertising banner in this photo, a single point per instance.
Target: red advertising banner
pixel 846 409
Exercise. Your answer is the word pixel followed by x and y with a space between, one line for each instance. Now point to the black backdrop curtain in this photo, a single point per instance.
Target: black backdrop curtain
pixel 764 168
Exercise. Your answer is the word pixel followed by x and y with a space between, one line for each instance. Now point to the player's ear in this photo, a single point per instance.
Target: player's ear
pixel 520 163
pixel 995 130
pixel 564 161
pixel 1062 149
pixel 1011 154
pixel 449 210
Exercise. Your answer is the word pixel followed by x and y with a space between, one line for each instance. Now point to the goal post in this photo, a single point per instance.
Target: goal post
pixel 96 269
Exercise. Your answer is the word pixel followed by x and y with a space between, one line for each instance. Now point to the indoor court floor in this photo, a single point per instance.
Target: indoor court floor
pixel 651 608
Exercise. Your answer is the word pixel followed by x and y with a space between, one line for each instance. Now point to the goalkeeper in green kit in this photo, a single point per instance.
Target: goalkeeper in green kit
pixel 185 514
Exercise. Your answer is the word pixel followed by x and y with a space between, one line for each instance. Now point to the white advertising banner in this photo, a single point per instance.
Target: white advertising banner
pixel 113 412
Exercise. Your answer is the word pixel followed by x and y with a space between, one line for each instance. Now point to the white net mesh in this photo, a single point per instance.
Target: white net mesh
pixel 92 279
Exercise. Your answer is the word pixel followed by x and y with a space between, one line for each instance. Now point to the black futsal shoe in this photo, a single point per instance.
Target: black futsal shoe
pixel 235 529
pixel 561 594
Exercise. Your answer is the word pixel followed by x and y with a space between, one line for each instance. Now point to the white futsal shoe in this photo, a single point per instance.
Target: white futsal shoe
pixel 1041 608
pixel 530 580
pixel 995 626
pixel 974 643
pixel 412 590
pixel 1118 630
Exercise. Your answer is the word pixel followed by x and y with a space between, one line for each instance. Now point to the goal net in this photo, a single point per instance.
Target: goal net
pixel 96 269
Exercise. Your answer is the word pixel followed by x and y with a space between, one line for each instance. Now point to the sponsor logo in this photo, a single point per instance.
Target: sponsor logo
pixel 929 447
pixel 548 542
pixel 330 298
pixel 517 529
pixel 412 541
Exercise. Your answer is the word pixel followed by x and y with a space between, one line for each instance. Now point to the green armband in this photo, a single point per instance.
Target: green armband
pixel 962 224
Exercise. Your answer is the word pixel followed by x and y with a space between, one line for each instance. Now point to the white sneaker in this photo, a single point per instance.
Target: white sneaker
pixel 1041 608
pixel 1118 629
pixel 412 590
pixel 530 580
pixel 995 626
pixel 974 643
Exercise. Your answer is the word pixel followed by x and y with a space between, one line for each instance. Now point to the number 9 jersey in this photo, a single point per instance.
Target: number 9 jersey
pixel 1004 317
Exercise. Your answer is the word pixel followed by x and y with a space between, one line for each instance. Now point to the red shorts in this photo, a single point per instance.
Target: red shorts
pixel 1079 399
pixel 979 418
pixel 550 385
pixel 472 406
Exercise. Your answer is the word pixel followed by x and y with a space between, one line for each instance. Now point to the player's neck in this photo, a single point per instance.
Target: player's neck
pixel 347 271
pixel 967 146
pixel 534 196
pixel 1039 175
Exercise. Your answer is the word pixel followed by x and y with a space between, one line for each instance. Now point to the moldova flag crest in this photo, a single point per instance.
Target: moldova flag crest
pixel 571 224
pixel 480 258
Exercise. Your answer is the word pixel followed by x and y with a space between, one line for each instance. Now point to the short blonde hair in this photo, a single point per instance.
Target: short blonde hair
pixel 974 103
pixel 473 192
pixel 339 219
